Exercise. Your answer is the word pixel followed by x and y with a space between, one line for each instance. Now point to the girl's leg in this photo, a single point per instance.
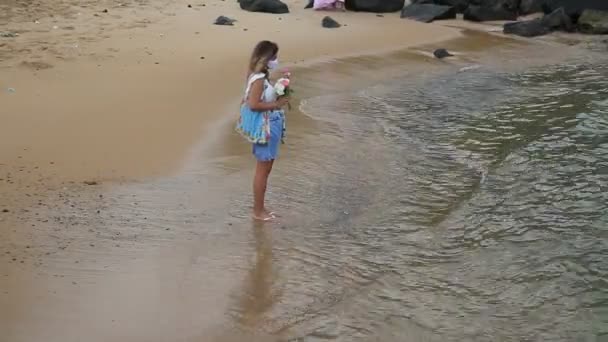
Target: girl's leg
pixel 260 183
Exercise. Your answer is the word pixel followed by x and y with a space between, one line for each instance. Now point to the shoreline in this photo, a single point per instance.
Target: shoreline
pixel 119 112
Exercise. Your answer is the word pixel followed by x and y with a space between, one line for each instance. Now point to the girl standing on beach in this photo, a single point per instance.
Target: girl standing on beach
pixel 261 99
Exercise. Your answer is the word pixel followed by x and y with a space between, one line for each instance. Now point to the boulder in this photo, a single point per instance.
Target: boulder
pixel 428 12
pixel 266 6
pixel 530 6
pixel 558 20
pixel 529 28
pixel 441 53
pixel 311 3
pixel 593 22
pixel 574 8
pixel 376 6
pixel 482 13
pixel 509 5
pixel 329 22
pixel 460 5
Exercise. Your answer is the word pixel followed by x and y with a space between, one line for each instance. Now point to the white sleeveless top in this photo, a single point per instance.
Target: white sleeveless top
pixel 268 95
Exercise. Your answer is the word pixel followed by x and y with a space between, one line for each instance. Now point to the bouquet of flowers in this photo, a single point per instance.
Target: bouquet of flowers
pixel 282 87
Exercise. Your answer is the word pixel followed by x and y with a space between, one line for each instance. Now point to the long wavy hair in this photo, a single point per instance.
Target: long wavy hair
pixel 263 52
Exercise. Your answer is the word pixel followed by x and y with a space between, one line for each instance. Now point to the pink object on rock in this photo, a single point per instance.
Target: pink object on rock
pixel 328 5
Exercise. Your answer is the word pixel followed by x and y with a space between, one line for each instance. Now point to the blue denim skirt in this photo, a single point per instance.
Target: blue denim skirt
pixel 270 150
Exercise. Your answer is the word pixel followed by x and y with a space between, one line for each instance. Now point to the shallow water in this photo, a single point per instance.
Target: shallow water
pixel 445 203
pixel 471 206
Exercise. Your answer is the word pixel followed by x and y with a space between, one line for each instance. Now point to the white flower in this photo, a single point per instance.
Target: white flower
pixel 279 89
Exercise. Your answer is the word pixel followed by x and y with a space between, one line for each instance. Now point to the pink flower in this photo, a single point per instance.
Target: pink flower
pixel 285 82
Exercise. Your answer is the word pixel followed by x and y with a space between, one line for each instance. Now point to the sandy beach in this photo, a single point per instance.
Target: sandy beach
pixel 125 94
pixel 121 215
pixel 106 93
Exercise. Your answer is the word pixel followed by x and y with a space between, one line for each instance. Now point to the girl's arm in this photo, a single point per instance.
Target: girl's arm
pixel 255 99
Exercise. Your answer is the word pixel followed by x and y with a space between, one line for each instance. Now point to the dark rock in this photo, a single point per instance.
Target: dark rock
pixel 105 11
pixel 376 6
pixel 189 6
pixel 265 6
pixel 90 182
pixel 222 20
pixel 428 12
pixel 558 20
pixel 460 5
pixel 508 5
pixel 311 3
pixel 5 210
pixel 574 8
pixel 531 6
pixel 329 22
pixel 442 53
pixel 529 28
pixel 593 22
pixel 479 13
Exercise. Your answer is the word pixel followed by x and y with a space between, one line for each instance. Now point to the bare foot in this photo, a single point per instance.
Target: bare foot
pixel 269 212
pixel 263 217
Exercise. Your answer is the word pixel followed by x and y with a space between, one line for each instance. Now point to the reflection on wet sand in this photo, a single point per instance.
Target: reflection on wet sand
pixel 258 296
